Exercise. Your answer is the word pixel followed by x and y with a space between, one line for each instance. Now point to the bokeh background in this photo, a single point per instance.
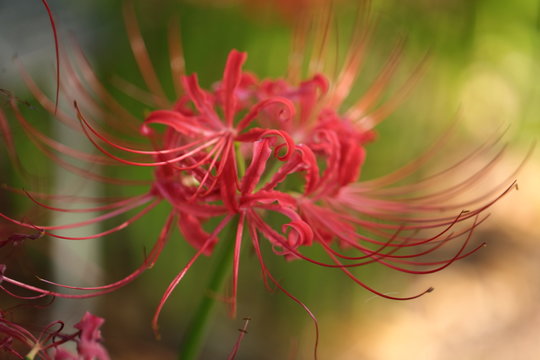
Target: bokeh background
pixel 483 70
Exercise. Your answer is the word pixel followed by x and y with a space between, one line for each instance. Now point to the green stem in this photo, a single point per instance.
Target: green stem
pixel 197 329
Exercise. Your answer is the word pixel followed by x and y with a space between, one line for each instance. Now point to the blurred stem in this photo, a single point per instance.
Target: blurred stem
pixel 197 329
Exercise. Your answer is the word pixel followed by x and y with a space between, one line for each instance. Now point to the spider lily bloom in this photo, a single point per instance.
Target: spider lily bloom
pixel 238 151
pixel 208 139
pixel 381 223
pixel 250 202
pixel 180 161
pixel 20 343
pixel 378 220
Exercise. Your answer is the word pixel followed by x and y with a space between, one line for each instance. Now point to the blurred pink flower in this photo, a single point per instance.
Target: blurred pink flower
pixel 89 342
pixel 19 342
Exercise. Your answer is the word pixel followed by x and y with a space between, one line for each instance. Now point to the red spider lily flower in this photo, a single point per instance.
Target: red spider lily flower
pixel 20 343
pixel 249 149
pixel 180 160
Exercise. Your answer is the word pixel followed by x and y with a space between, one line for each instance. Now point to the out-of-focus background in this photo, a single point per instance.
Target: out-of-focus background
pixel 483 70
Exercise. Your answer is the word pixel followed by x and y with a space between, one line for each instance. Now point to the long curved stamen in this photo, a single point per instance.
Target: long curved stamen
pixel 141 56
pixel 148 263
pixel 176 56
pixel 209 142
pixel 361 107
pixel 236 261
pixel 109 215
pixel 56 51
pixel 183 272
pixel 113 205
pixel 268 275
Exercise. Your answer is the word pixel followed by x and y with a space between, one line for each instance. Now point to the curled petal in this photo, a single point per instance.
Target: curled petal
pixel 268 197
pixel 258 133
pixel 254 111
pixel 299 234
